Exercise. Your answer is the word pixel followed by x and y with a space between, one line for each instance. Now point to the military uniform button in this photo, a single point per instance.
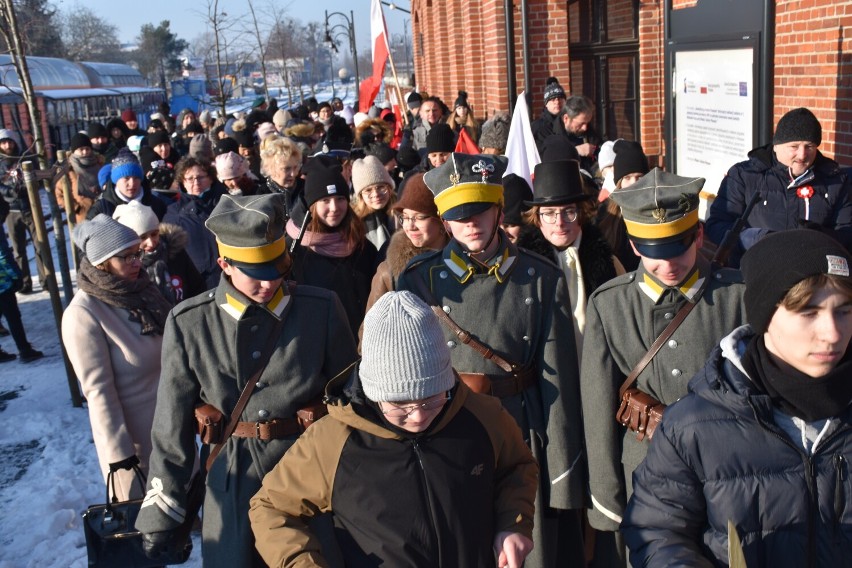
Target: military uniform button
pixel 451 344
pixel 259 385
pixel 672 344
pixel 443 274
pixel 263 414
pixel 668 315
pixel 255 355
pixel 531 271
pixel 676 372
pixel 210 295
pixel 254 328
pixel 526 338
pixel 718 276
pixel 528 301
pixel 631 277
pixel 446 309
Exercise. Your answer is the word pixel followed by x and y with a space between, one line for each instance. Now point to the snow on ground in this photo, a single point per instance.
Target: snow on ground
pixel 49 470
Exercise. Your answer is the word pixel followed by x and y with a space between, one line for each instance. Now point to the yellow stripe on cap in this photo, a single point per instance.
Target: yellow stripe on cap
pixel 468 193
pixel 661 230
pixel 253 255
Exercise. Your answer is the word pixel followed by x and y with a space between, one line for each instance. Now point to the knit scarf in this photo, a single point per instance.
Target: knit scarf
pixel 794 392
pixel 158 272
pixel 86 169
pixel 140 297
pixel 324 244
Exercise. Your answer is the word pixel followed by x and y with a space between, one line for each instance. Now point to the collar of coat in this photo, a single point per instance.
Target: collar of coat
pixel 236 304
pixel 499 266
pixel 691 288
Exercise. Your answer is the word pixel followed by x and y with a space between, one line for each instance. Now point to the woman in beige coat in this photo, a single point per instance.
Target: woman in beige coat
pixel 113 333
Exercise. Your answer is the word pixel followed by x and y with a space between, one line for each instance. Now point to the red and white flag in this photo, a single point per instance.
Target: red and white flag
pixel 521 149
pixel 370 86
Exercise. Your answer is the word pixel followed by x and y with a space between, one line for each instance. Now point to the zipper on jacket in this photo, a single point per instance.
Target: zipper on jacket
pixel 840 466
pixel 418 452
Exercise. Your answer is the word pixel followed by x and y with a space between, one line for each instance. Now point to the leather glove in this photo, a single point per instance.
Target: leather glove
pixel 157 544
pixel 126 463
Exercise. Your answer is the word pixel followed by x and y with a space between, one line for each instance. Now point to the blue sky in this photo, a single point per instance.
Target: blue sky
pixel 188 22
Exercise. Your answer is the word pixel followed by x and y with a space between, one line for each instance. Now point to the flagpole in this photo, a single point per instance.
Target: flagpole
pixel 396 81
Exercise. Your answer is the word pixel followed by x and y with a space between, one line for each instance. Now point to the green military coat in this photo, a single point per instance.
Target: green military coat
pixel 212 345
pixel 520 308
pixel 623 318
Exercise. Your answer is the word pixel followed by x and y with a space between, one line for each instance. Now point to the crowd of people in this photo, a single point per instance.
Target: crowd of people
pixel 554 373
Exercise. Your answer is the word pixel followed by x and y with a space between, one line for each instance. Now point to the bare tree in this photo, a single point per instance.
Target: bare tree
pixel 88 37
pixel 261 49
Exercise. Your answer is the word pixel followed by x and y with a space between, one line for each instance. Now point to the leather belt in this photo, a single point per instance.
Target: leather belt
pixel 269 430
pixel 500 386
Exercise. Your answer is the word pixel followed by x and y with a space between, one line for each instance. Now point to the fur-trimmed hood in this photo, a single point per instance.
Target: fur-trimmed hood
pixel 174 238
pixel 400 252
pixel 373 124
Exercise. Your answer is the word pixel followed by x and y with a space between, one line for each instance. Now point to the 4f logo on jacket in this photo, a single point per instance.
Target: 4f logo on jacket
pixel 478 469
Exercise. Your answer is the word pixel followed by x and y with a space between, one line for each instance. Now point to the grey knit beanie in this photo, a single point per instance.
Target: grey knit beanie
pixel 403 352
pixel 368 171
pixel 103 237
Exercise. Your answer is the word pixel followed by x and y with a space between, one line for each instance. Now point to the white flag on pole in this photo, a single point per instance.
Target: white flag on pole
pixel 521 149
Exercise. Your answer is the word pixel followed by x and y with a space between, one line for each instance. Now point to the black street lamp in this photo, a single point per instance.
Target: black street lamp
pixel 331 32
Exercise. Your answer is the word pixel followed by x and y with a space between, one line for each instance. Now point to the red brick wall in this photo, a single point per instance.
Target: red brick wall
pixel 651 79
pixel 813 68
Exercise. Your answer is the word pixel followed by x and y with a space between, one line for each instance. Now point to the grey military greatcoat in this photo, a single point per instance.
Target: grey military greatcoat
pixel 623 318
pixel 212 346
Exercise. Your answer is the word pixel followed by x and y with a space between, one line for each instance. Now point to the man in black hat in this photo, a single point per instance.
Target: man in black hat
pixel 515 303
pixel 798 187
pixel 623 318
pixel 216 342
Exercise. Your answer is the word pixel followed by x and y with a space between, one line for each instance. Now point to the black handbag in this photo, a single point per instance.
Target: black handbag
pixel 113 542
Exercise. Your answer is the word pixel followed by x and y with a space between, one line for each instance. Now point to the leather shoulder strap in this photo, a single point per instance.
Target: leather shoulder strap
pixel 655 347
pixel 271 342
pixel 464 336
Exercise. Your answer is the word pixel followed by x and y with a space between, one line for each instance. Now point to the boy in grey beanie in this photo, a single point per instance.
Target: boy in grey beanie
pixel 419 441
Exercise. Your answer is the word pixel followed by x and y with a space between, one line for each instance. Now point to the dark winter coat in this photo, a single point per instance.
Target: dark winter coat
pixel 189 213
pixel 171 269
pixel 596 257
pixel 436 498
pixel 623 318
pixel 349 277
pixel 109 200
pixel 542 127
pixel 294 199
pixel 779 207
pixel 720 455
pixel 521 310
pixel 214 343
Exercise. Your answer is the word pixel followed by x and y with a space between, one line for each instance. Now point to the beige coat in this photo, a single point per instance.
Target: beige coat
pixel 119 370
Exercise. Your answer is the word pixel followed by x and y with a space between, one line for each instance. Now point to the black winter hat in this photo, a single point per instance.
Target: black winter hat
pixel 244 138
pixel 79 140
pixel 798 124
pixel 781 260
pixel 516 191
pixel 441 138
pixel 225 145
pixel 96 130
pixel 158 137
pixel 380 150
pixel 414 100
pixel 323 179
pixel 461 100
pixel 553 89
pixel 629 159
pixel 407 158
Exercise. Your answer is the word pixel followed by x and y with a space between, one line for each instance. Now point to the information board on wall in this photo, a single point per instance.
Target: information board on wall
pixel 714 112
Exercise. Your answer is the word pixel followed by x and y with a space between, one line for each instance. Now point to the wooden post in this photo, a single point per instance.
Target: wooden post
pixel 70 220
pixel 58 234
pixel 49 283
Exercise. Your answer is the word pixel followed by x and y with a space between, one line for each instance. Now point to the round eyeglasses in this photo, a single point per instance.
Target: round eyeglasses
pixel 133 256
pixel 402 219
pixel 405 411
pixel 549 217
pixel 380 191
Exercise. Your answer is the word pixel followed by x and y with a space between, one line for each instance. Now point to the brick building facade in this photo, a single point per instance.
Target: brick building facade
pixel 613 51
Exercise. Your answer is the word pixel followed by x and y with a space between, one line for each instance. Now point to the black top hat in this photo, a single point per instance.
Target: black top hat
pixel 558 183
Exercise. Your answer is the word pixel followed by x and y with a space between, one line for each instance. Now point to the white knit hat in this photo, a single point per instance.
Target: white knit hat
pixel 138 217
pixel 230 166
pixel 606 155
pixel 103 237
pixel 368 171
pixel 404 355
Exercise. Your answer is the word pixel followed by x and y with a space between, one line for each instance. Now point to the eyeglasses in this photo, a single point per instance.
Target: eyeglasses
pixel 402 219
pixel 381 191
pixel 195 179
pixel 549 217
pixel 133 256
pixel 405 411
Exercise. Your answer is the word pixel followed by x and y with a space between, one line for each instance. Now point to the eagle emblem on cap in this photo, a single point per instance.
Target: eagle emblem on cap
pixel 659 214
pixel 483 168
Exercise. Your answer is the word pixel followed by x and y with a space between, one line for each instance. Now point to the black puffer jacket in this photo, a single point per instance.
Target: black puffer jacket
pixel 719 455
pixel 779 207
